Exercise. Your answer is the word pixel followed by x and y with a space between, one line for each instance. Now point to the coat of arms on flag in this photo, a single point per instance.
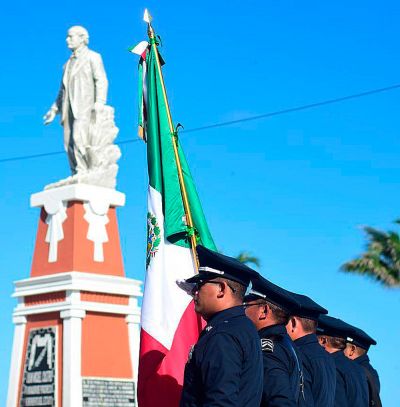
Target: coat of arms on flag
pixel 153 237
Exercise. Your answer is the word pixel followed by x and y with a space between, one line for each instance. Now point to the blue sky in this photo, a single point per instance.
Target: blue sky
pixel 293 189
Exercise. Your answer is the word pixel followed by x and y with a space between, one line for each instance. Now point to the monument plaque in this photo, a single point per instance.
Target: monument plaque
pixel 39 382
pixel 108 392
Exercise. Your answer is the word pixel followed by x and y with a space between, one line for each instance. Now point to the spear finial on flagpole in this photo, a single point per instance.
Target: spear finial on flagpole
pixel 147 16
pixel 148 19
pixel 189 221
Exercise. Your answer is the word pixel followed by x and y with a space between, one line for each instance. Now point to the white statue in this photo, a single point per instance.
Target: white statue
pixel 88 122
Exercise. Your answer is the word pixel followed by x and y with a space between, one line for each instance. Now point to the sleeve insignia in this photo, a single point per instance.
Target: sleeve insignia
pixel 190 354
pixel 267 345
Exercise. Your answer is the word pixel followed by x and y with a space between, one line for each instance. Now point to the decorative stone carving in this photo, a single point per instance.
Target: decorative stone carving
pixel 97 231
pixel 96 202
pixel 56 215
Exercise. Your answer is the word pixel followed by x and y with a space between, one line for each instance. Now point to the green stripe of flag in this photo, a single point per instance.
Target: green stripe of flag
pixel 163 173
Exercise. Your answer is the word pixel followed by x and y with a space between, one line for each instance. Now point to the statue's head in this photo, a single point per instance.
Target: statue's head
pixel 76 37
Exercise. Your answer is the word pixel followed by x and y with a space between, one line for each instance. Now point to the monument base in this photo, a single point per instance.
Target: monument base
pixel 76 333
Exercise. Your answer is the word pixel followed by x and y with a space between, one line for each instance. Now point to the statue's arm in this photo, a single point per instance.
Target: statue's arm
pixel 55 107
pixel 100 79
pixel 60 97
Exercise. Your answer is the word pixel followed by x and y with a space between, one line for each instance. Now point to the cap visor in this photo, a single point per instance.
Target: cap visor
pixel 186 286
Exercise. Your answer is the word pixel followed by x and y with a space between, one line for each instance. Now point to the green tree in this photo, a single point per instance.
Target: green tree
pixel 381 261
pixel 247 258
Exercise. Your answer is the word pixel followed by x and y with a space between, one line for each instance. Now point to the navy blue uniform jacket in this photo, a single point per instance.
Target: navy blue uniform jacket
pixel 351 382
pixel 281 375
pixel 319 372
pixel 224 368
pixel 364 361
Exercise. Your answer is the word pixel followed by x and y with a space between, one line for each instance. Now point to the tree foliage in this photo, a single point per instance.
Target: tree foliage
pixel 381 260
pixel 247 258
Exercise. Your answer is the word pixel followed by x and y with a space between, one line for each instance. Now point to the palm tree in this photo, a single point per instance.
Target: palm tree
pixel 381 261
pixel 247 258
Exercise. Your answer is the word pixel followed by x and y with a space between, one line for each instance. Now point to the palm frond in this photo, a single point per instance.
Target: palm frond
pixel 381 261
pixel 247 258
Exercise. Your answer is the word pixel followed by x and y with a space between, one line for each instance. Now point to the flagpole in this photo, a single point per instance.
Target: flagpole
pixel 189 220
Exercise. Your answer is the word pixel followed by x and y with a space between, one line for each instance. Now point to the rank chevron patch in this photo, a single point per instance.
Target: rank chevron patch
pixel 267 345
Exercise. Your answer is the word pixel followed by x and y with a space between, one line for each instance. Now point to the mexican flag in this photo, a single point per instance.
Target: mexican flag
pixel 169 325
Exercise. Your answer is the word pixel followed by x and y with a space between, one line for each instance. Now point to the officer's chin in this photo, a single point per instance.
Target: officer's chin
pixel 197 306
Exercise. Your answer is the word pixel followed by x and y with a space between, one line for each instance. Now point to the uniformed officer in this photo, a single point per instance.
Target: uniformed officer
pixel 224 368
pixel 351 383
pixel 358 343
pixel 268 306
pixel 318 366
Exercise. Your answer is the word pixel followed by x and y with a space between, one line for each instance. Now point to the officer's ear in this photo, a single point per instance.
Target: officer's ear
pixel 263 311
pixel 323 340
pixel 223 286
pixel 352 349
pixel 292 324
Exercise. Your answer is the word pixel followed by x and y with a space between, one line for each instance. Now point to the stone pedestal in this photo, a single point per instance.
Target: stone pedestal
pixel 76 333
